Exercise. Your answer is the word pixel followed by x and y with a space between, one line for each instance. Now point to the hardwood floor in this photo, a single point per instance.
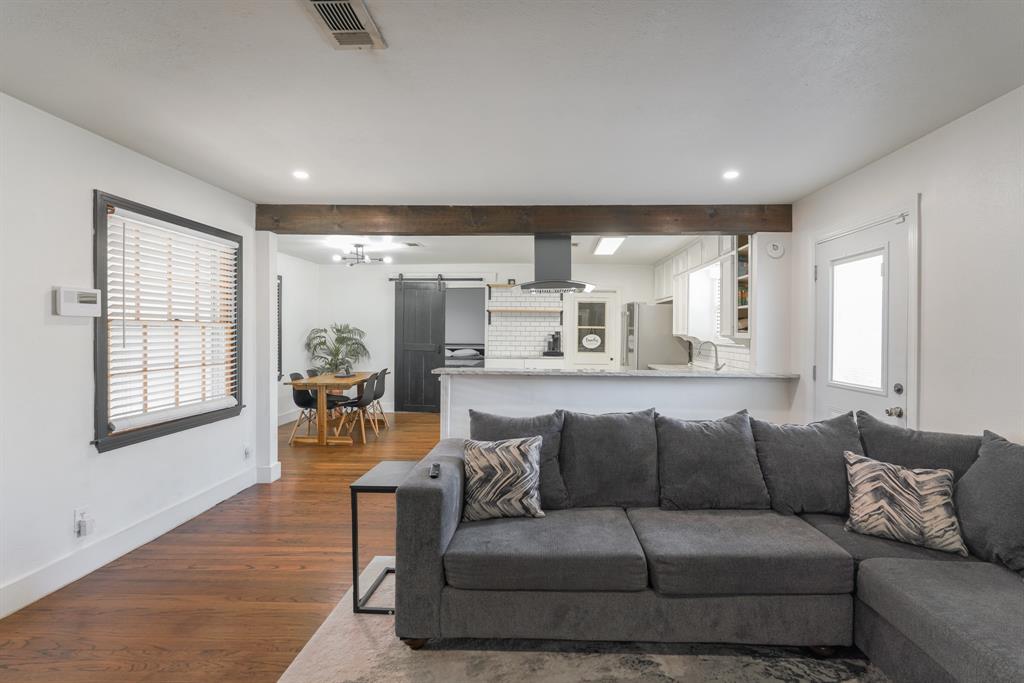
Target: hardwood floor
pixel 231 595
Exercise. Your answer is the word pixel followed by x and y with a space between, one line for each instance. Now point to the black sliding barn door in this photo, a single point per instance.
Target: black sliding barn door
pixel 419 345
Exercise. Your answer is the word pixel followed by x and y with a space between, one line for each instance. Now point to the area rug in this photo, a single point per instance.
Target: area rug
pixel 363 648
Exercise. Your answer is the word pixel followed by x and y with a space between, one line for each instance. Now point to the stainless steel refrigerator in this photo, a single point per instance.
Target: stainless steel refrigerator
pixel 647 337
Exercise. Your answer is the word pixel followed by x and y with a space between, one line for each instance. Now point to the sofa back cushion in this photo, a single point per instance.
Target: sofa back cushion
pixel 487 427
pixel 990 503
pixel 916 449
pixel 803 465
pixel 709 465
pixel 610 459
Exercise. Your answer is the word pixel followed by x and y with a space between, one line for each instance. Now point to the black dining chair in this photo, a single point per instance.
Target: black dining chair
pixel 306 402
pixel 376 410
pixel 356 409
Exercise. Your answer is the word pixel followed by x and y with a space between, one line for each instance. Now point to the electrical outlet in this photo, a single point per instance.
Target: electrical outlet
pixel 84 523
pixel 247 453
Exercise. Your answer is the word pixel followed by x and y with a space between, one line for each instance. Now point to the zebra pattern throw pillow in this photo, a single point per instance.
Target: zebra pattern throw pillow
pixel 502 479
pixel 901 504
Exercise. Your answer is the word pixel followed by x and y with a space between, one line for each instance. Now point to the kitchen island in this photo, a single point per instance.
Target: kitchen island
pixel 680 391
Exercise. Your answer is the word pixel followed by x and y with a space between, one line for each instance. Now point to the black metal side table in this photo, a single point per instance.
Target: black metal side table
pixel 384 477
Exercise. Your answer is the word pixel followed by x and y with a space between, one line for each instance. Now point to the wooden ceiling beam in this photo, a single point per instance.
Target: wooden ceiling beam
pixel 667 219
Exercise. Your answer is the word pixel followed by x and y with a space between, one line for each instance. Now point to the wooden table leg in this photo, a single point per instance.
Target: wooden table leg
pixel 321 417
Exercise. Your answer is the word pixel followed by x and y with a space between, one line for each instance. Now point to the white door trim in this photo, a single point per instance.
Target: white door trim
pixel 912 216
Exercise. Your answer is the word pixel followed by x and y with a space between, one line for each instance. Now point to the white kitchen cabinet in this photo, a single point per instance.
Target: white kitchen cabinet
pixel 727 310
pixel 680 301
pixel 679 263
pixel 693 256
pixel 726 243
pixel 709 248
pixel 663 281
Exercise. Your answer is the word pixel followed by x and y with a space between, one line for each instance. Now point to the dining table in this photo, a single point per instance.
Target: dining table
pixel 322 384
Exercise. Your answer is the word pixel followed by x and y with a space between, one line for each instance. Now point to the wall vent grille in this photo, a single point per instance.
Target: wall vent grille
pixel 347 24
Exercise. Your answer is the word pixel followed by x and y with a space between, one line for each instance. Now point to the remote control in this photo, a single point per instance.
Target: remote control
pixel 435 470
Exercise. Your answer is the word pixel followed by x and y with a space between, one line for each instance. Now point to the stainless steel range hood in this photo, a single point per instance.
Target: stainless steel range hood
pixel 552 266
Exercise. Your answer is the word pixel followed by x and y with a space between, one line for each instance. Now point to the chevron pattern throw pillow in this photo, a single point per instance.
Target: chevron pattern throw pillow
pixel 502 479
pixel 901 504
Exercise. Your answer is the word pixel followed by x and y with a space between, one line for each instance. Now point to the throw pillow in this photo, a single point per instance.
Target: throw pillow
pixel 803 464
pixel 990 503
pixel 914 448
pixel 901 504
pixel 502 479
pixel 610 460
pixel 709 464
pixel 487 427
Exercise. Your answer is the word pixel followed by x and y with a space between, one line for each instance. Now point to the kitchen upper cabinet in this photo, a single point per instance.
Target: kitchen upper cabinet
pixel 694 255
pixel 709 248
pixel 663 281
pixel 679 263
pixel 727 312
pixel 680 303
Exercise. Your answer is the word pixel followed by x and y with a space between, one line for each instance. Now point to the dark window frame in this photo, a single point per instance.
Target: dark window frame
pixel 106 441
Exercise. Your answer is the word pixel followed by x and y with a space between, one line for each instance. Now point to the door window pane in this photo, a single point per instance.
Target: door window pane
pixel 858 312
pixel 591 314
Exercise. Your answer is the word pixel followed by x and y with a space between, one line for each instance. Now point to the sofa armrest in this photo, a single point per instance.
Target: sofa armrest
pixel 429 511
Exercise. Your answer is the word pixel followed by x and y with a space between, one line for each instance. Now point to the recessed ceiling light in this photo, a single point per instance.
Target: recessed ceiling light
pixel 388 259
pixel 299 174
pixel 606 246
pixel 731 174
pixel 336 258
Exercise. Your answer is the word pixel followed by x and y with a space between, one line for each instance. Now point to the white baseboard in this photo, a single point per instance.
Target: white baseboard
pixel 39 583
pixel 268 474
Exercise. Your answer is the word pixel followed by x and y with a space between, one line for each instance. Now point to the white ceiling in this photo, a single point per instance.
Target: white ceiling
pixel 517 102
pixel 636 250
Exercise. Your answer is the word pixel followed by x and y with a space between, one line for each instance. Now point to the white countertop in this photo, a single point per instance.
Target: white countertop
pixel 678 371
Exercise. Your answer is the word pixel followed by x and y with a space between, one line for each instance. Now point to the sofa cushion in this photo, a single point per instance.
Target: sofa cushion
pixel 990 503
pixel 861 547
pixel 502 479
pixel 738 552
pixel 916 449
pixel 803 464
pixel 908 505
pixel 967 616
pixel 593 549
pixel 487 427
pixel 709 464
pixel 610 459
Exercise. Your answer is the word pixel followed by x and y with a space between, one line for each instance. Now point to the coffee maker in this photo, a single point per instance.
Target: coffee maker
pixel 554 345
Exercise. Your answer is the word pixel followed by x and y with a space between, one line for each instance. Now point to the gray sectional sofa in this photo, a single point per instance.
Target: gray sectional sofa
pixel 727 531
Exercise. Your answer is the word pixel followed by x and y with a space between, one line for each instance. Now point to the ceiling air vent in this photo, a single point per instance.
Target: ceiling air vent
pixel 346 23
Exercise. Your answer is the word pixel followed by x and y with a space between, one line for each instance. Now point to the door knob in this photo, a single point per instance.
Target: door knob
pixel 894 412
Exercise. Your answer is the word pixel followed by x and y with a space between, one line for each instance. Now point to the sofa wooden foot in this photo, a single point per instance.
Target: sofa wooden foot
pixel 823 651
pixel 415 643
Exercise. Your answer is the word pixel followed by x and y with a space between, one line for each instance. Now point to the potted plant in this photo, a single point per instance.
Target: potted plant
pixel 337 348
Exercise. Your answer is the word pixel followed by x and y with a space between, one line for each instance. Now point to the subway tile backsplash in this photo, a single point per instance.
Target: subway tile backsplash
pixel 516 335
pixel 734 357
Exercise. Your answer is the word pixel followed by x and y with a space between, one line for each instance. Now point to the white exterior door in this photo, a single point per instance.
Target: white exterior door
pixel 596 323
pixel 862 322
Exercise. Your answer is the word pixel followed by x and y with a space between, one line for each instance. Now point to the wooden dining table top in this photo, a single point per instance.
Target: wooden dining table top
pixel 329 381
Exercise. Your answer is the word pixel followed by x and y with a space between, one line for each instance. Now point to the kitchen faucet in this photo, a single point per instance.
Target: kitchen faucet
pixel 718 366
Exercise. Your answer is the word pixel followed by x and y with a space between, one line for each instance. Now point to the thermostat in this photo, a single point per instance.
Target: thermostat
pixel 69 301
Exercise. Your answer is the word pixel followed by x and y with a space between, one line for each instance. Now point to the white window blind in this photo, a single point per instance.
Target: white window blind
pixel 172 327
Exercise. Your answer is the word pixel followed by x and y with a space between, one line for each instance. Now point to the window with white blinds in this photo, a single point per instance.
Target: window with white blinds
pixel 171 327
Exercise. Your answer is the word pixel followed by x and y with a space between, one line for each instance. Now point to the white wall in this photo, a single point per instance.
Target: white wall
pixel 464 315
pixel 363 296
pixel 970 176
pixel 301 302
pixel 48 171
